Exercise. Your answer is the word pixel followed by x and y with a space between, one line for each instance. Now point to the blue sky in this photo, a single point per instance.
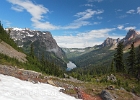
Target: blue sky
pixel 73 23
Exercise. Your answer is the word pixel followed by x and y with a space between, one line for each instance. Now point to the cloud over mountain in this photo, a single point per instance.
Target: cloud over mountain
pixel 86 39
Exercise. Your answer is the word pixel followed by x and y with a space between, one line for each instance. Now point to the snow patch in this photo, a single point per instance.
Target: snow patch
pixel 30 35
pixel 37 34
pixel 17 29
pixel 14 89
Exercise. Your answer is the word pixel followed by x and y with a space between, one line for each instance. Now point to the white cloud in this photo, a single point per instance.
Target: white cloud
pixel 131 11
pixel 17 8
pixel 87 14
pixel 44 25
pixel 76 24
pixel 128 28
pixel 88 5
pixel 120 27
pixel 7 23
pixel 98 17
pixel 36 12
pixel 119 10
pixel 95 0
pixel 96 23
pixel 138 10
pixel 86 39
pixel 82 19
pixel 122 16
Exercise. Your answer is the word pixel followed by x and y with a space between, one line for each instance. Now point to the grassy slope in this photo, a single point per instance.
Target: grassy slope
pixel 94 88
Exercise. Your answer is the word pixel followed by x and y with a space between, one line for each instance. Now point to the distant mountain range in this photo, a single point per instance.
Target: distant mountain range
pixel 101 54
pixel 132 36
pixel 43 43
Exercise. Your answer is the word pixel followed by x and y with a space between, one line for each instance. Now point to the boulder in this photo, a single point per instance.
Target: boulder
pixel 106 95
pixel 111 78
pixel 110 87
pixel 62 90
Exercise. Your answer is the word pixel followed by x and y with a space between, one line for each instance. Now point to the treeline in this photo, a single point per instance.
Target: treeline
pixel 130 64
pixel 87 73
pixel 44 65
pixel 127 63
pixel 40 50
pixel 4 36
pixel 33 64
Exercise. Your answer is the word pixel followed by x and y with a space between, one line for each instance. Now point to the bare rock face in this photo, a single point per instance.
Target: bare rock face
pixel 26 75
pixel 42 40
pixel 43 43
pixel 132 34
pixel 109 42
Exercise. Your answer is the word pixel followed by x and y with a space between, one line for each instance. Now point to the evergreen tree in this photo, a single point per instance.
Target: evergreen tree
pixel 138 56
pixel 118 58
pixel 112 69
pixel 131 60
pixel 43 63
pixel 138 63
pixel 32 51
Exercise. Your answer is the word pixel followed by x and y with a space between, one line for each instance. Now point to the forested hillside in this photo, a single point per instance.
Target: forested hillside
pixel 100 56
pixel 32 63
pixel 6 38
pixel 43 44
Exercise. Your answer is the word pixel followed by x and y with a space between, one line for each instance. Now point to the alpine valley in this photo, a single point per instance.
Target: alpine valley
pixel 34 56
pixel 101 55
pixel 45 44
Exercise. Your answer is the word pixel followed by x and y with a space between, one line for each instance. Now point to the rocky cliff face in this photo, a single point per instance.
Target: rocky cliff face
pixel 42 40
pixel 132 36
pixel 110 42
pixel 43 44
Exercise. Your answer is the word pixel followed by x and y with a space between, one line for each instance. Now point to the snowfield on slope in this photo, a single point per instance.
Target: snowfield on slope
pixel 14 89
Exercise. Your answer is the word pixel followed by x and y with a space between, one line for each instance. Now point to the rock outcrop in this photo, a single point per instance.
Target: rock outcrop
pixel 132 36
pixel 22 74
pixel 105 95
pixel 111 78
pixel 110 42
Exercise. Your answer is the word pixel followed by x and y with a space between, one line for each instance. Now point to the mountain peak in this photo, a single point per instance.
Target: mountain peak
pixel 43 40
pixel 110 42
pixel 131 34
